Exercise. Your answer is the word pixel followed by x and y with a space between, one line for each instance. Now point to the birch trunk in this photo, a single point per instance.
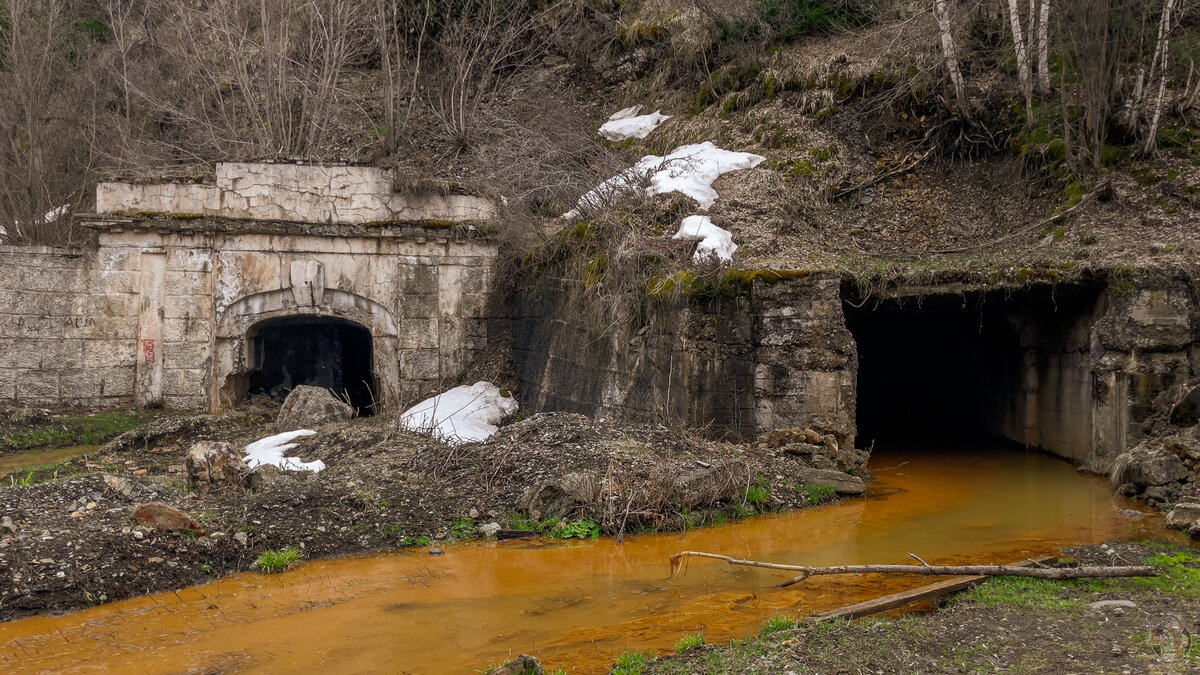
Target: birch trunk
pixel 1043 39
pixel 951 57
pixel 1161 54
pixel 1023 74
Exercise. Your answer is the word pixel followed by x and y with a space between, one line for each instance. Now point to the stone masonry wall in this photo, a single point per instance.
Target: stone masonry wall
pixel 292 192
pixel 66 328
pixel 161 317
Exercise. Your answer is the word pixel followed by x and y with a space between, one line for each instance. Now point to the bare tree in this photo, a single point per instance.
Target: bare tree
pixel 1043 43
pixel 1023 62
pixel 257 78
pixel 951 57
pixel 46 159
pixel 1161 56
pixel 476 50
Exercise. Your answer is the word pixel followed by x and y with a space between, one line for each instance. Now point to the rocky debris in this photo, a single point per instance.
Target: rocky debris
pixel 8 524
pixel 489 529
pixel 214 465
pixel 1160 470
pixel 1185 517
pixel 308 407
pixel 165 432
pixel 433 550
pixel 122 486
pixel 824 451
pixel 160 516
pixel 242 538
pixel 522 665
pixel 267 477
pixel 842 483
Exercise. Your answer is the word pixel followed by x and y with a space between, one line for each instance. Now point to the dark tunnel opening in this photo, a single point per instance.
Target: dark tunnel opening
pixel 1010 364
pixel 317 351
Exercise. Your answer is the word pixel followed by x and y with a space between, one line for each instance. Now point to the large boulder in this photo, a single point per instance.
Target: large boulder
pixel 842 483
pixel 569 493
pixel 212 465
pixel 1145 467
pixel 160 516
pixel 1185 517
pixel 310 407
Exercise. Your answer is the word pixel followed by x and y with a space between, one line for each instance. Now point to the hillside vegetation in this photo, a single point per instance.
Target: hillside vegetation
pixel 938 136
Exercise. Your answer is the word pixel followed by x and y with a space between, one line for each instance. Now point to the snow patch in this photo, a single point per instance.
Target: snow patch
pixel 640 126
pixel 713 240
pixel 465 414
pixel 689 170
pixel 270 450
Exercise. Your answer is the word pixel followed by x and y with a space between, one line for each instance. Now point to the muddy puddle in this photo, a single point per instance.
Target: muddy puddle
pixel 579 604
pixel 25 461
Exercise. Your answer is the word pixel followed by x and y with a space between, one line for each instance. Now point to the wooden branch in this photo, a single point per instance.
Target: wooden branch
pixel 934 570
pixel 904 167
pixel 919 594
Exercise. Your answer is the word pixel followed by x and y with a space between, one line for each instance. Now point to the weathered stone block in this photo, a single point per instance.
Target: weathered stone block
pixel 189 260
pixel 419 333
pixel 117 381
pixel 187 355
pixel 186 330
pixel 81 384
pixel 100 354
pixel 57 280
pixel 184 382
pixel 100 328
pixel 118 282
pixel 420 364
pixel 188 307
pixel 36 384
pixel 24 326
pixel 187 283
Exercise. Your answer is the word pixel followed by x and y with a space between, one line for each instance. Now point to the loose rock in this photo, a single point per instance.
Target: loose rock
pixel 213 465
pixel 165 517
pixel 309 407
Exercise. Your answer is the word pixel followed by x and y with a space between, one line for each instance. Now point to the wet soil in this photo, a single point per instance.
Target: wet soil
pixel 1002 626
pixel 72 543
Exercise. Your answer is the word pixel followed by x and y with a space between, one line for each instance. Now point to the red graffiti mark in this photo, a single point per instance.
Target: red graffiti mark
pixel 148 350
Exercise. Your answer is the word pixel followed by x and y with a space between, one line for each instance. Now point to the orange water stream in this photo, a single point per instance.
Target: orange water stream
pixel 579 604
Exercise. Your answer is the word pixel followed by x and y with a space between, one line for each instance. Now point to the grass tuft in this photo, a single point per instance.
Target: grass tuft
pixel 689 642
pixel 271 562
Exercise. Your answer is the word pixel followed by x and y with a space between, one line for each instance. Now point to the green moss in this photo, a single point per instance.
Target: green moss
pixel 68 430
pixel 187 216
pixel 660 288
pixel 1145 176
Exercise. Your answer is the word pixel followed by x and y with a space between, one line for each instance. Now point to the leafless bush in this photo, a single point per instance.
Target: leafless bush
pixel 260 78
pixel 45 104
pixel 476 49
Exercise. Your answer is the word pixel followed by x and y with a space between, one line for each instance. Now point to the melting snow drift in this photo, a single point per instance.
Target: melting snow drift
pixel 270 450
pixel 465 414
pixel 621 128
pixel 713 240
pixel 690 170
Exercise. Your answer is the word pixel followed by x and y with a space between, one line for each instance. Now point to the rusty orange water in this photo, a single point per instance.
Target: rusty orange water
pixel 579 604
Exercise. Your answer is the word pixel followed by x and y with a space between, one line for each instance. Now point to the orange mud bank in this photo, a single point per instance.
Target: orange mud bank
pixel 577 605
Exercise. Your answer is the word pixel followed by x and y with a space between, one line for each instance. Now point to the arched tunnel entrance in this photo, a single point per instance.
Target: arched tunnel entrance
pixel 1011 363
pixel 319 351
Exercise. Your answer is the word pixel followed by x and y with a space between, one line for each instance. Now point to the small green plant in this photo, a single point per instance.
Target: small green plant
pixel 462 528
pixel 743 510
pixel 817 493
pixel 271 562
pixel 579 529
pixel 369 500
pixel 416 541
pixel 689 642
pixel 630 663
pixel 776 624
pixel 206 568
pixel 757 494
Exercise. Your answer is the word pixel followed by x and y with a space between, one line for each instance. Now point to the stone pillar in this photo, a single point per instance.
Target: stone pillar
pixel 148 389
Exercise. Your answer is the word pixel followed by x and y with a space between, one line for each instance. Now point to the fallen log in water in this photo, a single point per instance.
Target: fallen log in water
pixel 925 568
